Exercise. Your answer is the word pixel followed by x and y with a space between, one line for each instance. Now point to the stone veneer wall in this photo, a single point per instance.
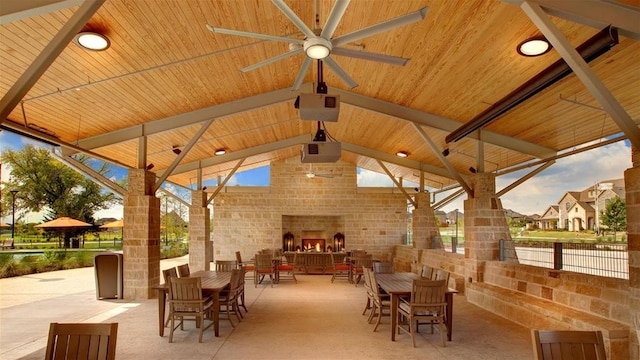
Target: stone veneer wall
pixel 248 220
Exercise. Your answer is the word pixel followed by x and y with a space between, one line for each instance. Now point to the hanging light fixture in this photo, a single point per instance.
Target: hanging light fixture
pixel 317 48
pixel 93 41
pixel 534 46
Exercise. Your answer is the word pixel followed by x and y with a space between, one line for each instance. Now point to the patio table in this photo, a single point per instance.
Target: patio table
pixel 400 284
pixel 212 283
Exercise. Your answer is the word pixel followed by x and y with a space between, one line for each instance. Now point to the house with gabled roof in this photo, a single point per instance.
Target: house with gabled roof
pixel 549 219
pixel 581 210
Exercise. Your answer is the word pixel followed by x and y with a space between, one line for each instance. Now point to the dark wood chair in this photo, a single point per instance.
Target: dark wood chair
pixel 82 341
pixel 568 345
pixel 183 270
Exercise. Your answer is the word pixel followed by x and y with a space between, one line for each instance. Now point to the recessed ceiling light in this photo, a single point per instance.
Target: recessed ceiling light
pixel 92 41
pixel 535 46
pixel 220 152
pixel 402 154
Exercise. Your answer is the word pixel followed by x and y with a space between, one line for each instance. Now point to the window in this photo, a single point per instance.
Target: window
pixel 568 205
pixel 576 209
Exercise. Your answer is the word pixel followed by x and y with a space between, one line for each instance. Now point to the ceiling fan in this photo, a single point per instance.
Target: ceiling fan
pixel 320 45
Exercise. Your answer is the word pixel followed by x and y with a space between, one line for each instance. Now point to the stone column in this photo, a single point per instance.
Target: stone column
pixel 141 237
pixel 485 225
pixel 200 247
pixel 424 224
pixel 632 200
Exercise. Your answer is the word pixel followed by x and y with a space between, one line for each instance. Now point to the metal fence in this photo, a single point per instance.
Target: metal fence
pixel 604 259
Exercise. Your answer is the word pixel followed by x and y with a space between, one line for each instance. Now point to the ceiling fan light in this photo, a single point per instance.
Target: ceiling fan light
pixel 93 41
pixel 534 47
pixel 317 48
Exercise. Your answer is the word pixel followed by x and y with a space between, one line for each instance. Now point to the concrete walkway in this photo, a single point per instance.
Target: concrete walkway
pixel 313 319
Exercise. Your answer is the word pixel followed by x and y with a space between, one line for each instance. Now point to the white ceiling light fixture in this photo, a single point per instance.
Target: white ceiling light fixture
pixel 317 48
pixel 93 41
pixel 402 154
pixel 535 46
pixel 220 152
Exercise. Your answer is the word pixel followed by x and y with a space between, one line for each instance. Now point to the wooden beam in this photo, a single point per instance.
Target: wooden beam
pixel 582 70
pixel 48 55
pixel 398 184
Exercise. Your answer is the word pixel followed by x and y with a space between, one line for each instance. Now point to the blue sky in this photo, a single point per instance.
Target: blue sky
pixel 572 173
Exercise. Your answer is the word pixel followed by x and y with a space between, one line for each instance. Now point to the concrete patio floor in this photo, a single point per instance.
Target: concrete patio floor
pixel 313 319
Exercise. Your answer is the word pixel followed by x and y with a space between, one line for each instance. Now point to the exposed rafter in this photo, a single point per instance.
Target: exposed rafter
pixel 17 10
pixel 594 13
pixel 582 70
pixel 47 57
pixel 397 183
pixel 188 119
pixel 444 160
pixel 439 123
pixel 92 174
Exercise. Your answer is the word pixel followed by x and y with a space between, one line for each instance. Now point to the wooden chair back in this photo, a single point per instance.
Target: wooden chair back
pixel 183 270
pixel 82 341
pixel 426 272
pixel 442 275
pixel 226 265
pixel 568 345
pixel 383 267
pixel 167 273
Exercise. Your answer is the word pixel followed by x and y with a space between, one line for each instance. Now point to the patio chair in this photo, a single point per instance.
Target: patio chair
pixel 229 298
pixel 442 275
pixel 358 263
pixel 82 341
pixel 241 291
pixel 248 265
pixel 183 270
pixel 340 266
pixel 263 267
pixel 288 268
pixel 426 272
pixel 381 302
pixel 568 345
pixel 172 272
pixel 427 303
pixel 166 274
pixel 186 301
pixel 226 265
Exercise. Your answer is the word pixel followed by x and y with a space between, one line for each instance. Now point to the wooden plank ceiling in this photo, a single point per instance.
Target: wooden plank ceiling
pixel 163 62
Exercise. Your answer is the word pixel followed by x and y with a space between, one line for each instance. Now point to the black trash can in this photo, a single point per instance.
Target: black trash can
pixel 108 270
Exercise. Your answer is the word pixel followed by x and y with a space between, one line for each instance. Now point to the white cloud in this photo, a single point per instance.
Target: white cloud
pixel 116 212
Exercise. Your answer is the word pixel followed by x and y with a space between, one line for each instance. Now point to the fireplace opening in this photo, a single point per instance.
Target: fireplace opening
pixel 317 245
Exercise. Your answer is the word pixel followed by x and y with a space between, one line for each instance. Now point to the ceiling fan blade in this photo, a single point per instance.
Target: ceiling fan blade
pixel 334 18
pixel 294 18
pixel 302 73
pixel 381 27
pixel 333 65
pixel 393 60
pixel 272 60
pixel 254 35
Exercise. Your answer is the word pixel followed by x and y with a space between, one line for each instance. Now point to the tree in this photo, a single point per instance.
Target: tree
pixel 614 217
pixel 44 183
